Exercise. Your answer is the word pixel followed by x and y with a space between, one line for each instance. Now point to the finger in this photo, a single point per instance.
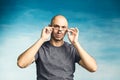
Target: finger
pixel 49 28
pixel 50 25
pixel 71 32
pixel 68 33
pixel 77 30
pixel 73 29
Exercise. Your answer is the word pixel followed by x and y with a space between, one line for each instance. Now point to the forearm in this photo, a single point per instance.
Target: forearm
pixel 86 61
pixel 28 56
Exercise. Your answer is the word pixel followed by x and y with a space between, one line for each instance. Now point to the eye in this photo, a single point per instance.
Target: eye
pixel 56 26
pixel 63 27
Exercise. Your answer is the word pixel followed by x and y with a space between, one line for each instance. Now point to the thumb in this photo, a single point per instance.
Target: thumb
pixel 68 33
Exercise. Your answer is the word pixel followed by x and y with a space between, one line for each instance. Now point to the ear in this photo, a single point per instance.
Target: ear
pixel 50 25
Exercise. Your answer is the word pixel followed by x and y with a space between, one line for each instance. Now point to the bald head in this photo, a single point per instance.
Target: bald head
pixel 59 19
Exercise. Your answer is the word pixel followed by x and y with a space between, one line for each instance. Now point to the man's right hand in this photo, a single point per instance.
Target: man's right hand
pixel 28 56
pixel 46 32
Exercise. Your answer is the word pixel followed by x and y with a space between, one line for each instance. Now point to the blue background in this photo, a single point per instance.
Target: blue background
pixel 21 22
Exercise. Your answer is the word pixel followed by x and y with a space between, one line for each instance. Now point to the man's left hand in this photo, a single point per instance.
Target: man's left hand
pixel 73 35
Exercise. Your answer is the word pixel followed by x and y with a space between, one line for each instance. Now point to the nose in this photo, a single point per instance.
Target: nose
pixel 60 28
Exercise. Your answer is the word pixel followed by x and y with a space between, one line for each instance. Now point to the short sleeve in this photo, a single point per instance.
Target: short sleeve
pixel 36 56
pixel 38 52
pixel 77 56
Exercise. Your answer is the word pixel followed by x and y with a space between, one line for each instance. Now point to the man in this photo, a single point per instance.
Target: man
pixel 55 59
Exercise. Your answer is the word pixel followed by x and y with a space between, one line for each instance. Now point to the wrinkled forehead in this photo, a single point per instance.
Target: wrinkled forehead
pixel 59 20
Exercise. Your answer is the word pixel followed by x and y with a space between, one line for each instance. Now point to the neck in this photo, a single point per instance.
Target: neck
pixel 57 43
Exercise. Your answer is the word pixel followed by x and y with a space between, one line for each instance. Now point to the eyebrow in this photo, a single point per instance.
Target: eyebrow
pixel 59 25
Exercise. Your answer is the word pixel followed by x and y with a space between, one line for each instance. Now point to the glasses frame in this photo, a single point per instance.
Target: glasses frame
pixel 58 27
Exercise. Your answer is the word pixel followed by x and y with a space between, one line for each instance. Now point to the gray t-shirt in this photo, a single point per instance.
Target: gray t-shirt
pixel 56 63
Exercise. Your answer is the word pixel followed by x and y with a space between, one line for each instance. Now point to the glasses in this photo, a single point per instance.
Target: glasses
pixel 57 27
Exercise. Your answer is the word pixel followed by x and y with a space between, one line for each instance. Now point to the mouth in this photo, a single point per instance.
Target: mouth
pixel 59 35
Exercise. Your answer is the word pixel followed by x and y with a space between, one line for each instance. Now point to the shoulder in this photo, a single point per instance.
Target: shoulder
pixel 70 47
pixel 45 44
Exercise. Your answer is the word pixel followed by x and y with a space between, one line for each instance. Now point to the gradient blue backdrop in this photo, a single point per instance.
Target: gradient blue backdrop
pixel 21 22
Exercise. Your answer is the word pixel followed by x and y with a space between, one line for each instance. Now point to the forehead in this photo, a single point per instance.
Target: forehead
pixel 59 20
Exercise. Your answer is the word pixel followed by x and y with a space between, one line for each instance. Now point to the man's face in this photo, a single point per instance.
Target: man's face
pixel 60 27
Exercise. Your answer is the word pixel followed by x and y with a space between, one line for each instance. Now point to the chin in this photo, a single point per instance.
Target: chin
pixel 58 39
